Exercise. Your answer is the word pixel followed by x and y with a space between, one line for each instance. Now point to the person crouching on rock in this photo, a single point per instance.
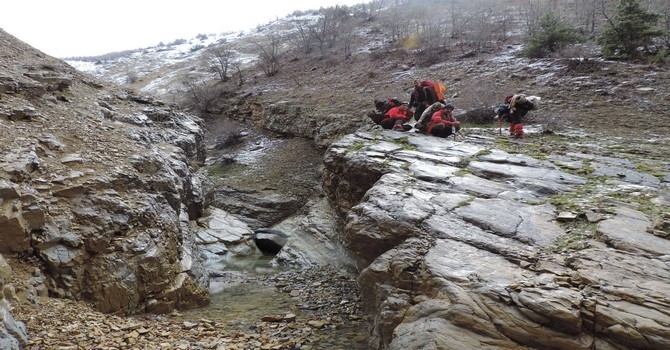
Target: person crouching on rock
pixel 396 117
pixel 443 123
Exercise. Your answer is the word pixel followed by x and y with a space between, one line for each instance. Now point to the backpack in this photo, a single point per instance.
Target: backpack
pixel 439 91
pixel 535 100
pixel 522 101
pixel 394 102
pixel 501 110
pixel 427 83
pixel 435 86
pixel 384 106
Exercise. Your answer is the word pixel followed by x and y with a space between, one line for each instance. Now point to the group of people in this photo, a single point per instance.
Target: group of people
pixel 434 116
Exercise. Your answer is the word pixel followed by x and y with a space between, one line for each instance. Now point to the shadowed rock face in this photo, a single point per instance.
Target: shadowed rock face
pixel 460 241
pixel 98 184
pixel 270 241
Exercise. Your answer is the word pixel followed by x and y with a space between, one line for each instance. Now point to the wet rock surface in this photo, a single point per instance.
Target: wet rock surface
pixel 469 243
pixel 461 242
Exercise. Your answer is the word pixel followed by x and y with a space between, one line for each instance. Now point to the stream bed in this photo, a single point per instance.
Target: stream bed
pixel 301 308
pixel 315 308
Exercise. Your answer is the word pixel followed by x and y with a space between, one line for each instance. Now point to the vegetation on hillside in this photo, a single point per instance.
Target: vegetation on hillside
pixel 428 29
pixel 633 32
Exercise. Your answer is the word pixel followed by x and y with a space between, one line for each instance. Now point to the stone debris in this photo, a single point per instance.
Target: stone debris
pixel 66 324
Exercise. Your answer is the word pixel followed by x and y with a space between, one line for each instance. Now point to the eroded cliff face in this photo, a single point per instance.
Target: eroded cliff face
pixel 98 186
pixel 460 245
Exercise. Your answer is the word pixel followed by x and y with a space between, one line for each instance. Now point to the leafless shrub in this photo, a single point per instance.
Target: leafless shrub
pixel 585 66
pixel 269 54
pixel 300 38
pixel 201 96
pixel 221 59
pixel 106 57
pixel 330 28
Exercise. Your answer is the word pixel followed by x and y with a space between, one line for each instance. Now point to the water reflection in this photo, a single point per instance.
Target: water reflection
pixel 245 291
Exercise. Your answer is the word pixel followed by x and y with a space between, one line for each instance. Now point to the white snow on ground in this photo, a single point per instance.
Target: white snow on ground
pixel 186 54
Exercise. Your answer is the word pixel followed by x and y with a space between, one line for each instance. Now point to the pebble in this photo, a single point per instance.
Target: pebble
pixel 75 325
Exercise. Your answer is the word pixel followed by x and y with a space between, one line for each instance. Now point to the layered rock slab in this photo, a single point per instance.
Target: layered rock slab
pixel 457 248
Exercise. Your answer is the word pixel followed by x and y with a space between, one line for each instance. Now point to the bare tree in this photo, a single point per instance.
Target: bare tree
pixel 327 29
pixel 200 96
pixel 301 38
pixel 239 75
pixel 269 54
pixel 319 32
pixel 348 33
pixel 221 59
pixel 477 27
pixel 393 26
pixel 586 14
pixel 532 13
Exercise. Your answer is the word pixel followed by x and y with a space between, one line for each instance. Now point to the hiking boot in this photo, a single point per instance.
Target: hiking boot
pixel 398 127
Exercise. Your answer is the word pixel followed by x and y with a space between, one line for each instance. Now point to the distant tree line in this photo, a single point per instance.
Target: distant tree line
pixel 621 29
pixel 624 29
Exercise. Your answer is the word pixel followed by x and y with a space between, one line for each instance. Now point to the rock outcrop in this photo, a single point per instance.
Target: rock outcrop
pixel 13 333
pixel 99 184
pixel 465 243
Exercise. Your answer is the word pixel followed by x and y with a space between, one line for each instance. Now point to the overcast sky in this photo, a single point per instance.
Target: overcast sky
pixel 65 28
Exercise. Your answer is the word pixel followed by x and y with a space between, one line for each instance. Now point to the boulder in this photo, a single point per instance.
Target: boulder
pixel 270 241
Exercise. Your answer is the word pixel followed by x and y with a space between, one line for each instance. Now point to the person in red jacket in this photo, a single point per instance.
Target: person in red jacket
pixel 422 96
pixel 443 123
pixel 396 117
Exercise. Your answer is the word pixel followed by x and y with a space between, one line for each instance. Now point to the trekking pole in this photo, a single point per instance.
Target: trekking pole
pixel 499 126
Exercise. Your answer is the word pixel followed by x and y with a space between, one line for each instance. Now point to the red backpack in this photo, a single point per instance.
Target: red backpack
pixel 435 86
pixel 427 83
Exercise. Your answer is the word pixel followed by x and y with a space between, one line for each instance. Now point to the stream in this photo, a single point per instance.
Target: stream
pixel 312 308
pixel 308 309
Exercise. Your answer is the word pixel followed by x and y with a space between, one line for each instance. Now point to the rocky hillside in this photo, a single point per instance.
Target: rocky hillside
pixel 98 185
pixel 104 213
pixel 323 97
pixel 555 241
